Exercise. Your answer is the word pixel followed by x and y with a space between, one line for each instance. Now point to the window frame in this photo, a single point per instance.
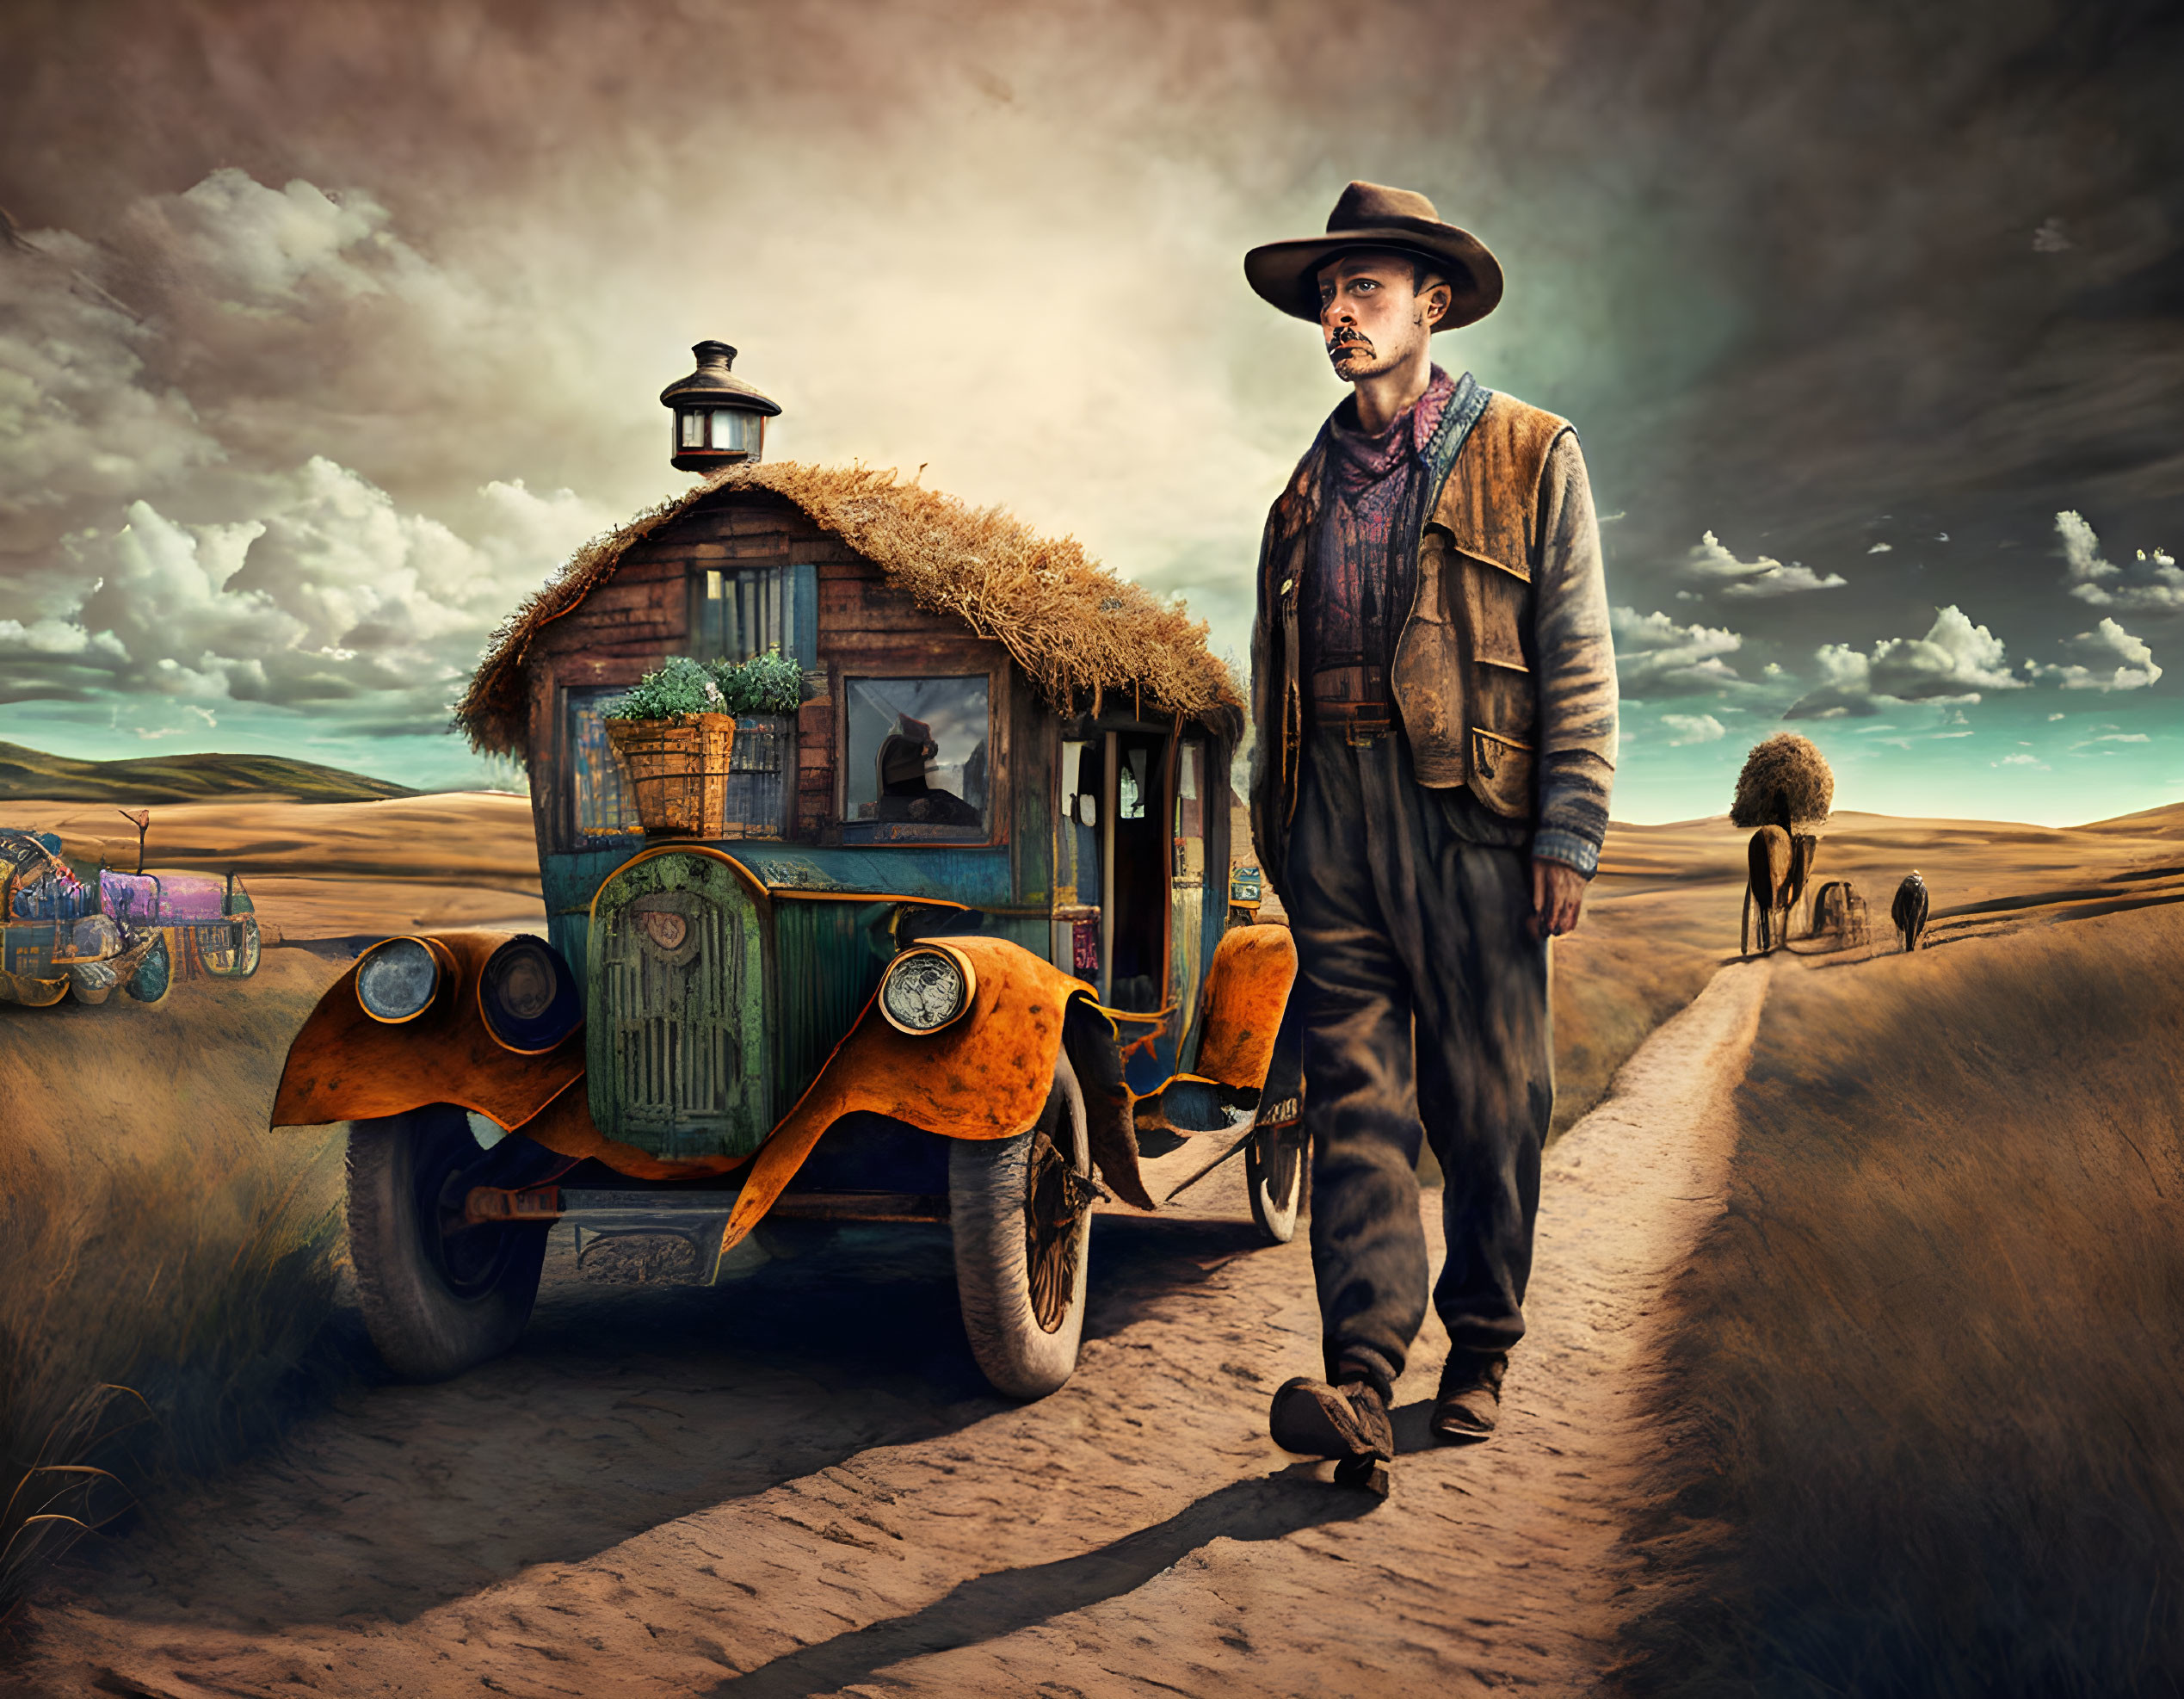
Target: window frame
pixel 573 837
pixel 840 672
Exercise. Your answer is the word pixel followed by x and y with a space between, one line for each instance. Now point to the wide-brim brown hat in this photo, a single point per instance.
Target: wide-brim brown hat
pixel 1286 274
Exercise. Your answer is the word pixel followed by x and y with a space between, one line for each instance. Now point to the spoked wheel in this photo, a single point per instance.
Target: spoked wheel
pixel 228 949
pixel 1022 1212
pixel 439 1295
pixel 1274 1168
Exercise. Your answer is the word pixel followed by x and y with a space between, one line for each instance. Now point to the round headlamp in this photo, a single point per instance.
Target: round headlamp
pixel 528 996
pixel 925 988
pixel 397 980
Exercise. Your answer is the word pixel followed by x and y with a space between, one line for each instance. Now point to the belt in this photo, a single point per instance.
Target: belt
pixel 1378 716
pixel 1361 723
pixel 1349 684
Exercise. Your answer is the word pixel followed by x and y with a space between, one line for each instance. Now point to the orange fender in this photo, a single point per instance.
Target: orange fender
pixel 1247 990
pixel 985 1076
pixel 344 1066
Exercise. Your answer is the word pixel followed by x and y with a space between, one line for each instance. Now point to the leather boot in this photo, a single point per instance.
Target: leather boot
pixel 1348 1421
pixel 1469 1403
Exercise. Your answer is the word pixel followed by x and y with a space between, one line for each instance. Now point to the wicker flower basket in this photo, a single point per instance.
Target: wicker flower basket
pixel 677 771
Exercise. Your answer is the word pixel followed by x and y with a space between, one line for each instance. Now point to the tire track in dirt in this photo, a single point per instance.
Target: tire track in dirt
pixel 776 1489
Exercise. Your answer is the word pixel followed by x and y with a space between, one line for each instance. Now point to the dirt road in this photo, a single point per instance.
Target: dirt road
pixel 796 1483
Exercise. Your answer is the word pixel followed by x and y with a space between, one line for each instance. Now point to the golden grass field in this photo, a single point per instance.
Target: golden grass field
pixel 1945 1243
pixel 1921 1425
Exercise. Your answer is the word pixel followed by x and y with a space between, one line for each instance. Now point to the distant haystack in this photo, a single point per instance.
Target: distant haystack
pixel 1789 766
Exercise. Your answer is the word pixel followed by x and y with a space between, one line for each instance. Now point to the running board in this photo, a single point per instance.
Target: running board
pixel 597 1217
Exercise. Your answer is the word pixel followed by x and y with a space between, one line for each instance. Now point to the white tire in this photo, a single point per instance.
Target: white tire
pixel 1021 1212
pixel 1275 1166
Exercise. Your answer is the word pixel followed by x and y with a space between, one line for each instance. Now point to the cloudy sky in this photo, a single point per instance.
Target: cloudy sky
pixel 326 332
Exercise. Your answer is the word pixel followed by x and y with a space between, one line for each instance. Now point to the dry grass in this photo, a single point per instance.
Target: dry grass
pixel 1616 978
pixel 166 1264
pixel 1078 630
pixel 331 870
pixel 1927 1373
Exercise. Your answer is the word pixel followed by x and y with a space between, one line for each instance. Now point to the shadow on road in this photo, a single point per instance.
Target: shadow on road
pixel 993 1606
pixel 623 1408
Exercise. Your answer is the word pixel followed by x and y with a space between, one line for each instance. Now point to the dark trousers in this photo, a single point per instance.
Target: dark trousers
pixel 1425 1011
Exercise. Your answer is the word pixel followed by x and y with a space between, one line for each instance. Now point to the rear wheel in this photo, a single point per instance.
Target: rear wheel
pixel 438 1295
pixel 1274 1167
pixel 229 948
pixel 1020 1209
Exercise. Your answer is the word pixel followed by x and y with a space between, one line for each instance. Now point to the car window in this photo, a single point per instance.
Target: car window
pixel 916 761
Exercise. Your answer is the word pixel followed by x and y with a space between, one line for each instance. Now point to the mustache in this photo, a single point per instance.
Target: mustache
pixel 1347 338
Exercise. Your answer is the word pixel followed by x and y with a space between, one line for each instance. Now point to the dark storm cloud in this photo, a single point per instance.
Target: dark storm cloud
pixel 344 323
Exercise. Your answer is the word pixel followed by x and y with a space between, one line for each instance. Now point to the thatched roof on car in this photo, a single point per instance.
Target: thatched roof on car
pixel 1079 631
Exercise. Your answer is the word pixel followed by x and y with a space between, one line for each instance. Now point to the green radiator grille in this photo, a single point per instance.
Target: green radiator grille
pixel 676 1029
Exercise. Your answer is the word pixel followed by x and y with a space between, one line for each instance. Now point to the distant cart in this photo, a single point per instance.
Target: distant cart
pixel 86 932
pixel 1839 921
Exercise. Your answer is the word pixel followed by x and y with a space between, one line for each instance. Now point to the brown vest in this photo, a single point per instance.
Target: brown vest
pixel 1463 673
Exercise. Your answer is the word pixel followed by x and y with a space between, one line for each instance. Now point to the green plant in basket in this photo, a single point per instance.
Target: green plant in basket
pixel 682 686
pixel 767 683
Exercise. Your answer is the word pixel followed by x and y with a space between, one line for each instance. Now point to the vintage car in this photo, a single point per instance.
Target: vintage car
pixel 950 955
pixel 77 929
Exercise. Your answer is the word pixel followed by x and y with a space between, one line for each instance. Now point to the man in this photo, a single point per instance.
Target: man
pixel 1433 688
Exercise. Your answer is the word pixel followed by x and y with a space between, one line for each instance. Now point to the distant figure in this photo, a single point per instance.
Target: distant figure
pixel 1778 864
pixel 1769 859
pixel 1839 915
pixel 1908 910
pixel 1785 787
pixel 1805 850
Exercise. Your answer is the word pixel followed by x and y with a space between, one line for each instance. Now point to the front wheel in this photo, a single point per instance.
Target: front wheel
pixel 1274 1166
pixel 1022 1212
pixel 438 1296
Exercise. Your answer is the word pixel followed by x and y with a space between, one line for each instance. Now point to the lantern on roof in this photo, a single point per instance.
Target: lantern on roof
pixel 719 420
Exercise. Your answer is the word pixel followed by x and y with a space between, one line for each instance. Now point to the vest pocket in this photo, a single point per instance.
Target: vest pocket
pixel 1502 773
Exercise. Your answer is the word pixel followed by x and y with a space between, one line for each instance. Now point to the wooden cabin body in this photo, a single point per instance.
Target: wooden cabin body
pixel 1129 893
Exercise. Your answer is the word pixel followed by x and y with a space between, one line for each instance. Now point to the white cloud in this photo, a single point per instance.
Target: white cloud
pixel 2021 761
pixel 1954 661
pixel 2111 659
pixel 2158 582
pixel 326 595
pixel 2123 738
pixel 1882 548
pixel 1765 576
pixel 1655 657
pixel 1694 728
pixel 265 246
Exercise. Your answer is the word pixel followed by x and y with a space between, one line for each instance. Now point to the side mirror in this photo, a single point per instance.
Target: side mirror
pixel 1087 809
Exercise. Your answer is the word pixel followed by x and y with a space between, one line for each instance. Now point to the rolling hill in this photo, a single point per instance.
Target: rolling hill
pixel 26 774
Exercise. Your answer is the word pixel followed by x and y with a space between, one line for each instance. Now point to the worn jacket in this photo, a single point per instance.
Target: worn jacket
pixel 1503 673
